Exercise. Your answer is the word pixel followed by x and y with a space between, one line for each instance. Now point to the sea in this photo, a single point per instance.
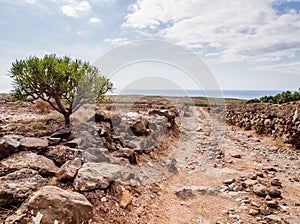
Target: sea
pixel 231 94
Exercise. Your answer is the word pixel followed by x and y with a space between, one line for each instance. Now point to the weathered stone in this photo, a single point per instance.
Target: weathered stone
pixel 260 190
pixel 166 113
pixel 275 182
pixel 129 144
pixel 236 155
pixel 268 198
pixel 102 116
pixel 17 186
pixel 54 141
pixel 265 210
pixel 253 203
pixel 140 127
pixel 12 141
pixel 104 128
pixel 74 143
pixel 267 122
pixel 15 137
pixel 62 133
pixel 274 192
pixel 60 153
pixel 128 154
pixel 96 155
pixel 270 169
pixel 192 191
pixel 69 169
pixel 147 144
pixel 8 145
pixel 249 183
pixel 253 212
pixel 272 204
pixel 116 120
pixel 53 205
pixel 96 176
pixel 237 187
pixel 290 219
pixel 273 219
pixel 229 181
pixel 34 144
pixel 30 160
pixel 125 197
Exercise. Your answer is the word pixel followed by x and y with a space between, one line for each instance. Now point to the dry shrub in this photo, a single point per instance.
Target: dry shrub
pixel 42 107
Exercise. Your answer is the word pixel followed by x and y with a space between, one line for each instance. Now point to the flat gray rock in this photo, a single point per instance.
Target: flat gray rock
pixel 96 176
pixel 33 144
pixel 53 205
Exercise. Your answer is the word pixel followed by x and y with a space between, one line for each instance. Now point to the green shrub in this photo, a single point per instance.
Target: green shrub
pixel 247 127
pixel 280 98
pixel 201 104
pixel 260 129
pixel 255 100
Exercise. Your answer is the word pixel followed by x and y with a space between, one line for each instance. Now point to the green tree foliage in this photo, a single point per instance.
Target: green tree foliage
pixel 64 83
pixel 280 98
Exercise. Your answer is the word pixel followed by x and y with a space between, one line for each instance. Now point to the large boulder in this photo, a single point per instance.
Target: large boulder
pixel 17 186
pixel 96 176
pixel 30 160
pixel 53 205
pixel 33 144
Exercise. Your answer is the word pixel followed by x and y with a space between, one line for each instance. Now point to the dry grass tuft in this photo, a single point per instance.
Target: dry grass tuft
pixel 42 107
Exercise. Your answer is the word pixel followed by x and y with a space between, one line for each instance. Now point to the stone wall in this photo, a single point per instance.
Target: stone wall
pixel 279 121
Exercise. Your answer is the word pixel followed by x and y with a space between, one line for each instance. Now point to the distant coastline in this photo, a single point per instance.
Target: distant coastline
pixel 231 94
pixel 228 94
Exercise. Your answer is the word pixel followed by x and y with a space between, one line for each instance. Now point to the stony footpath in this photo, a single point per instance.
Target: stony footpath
pixel 248 180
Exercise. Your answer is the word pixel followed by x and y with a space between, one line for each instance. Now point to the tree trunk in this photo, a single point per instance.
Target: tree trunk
pixel 67 120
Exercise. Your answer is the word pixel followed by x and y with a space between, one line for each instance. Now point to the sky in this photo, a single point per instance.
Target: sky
pixel 250 45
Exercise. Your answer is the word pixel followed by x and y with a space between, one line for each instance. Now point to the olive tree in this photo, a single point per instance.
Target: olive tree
pixel 64 83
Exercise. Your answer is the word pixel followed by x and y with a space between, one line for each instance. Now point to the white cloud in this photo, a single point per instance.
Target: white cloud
pixel 224 30
pixel 33 2
pixel 76 9
pixel 103 1
pixel 284 68
pixel 118 41
pixel 95 20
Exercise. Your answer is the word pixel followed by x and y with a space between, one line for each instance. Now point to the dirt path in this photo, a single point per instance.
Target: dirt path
pixel 207 157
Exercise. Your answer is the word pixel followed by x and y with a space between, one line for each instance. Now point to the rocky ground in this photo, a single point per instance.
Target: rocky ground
pixel 142 161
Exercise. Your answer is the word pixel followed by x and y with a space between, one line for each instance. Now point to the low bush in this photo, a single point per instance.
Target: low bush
pixel 42 107
pixel 280 98
pixel 247 127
